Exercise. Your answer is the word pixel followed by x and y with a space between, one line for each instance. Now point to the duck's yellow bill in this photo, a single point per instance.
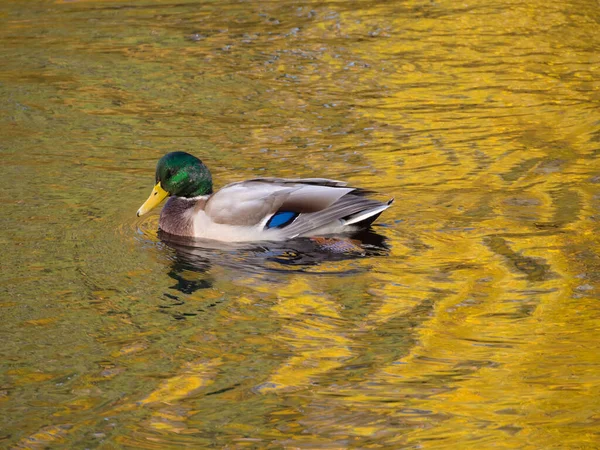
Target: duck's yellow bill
pixel 158 195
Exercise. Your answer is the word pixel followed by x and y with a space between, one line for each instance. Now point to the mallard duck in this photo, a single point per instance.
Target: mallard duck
pixel 272 209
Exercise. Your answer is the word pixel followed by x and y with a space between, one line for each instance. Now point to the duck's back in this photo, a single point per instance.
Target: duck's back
pixel 279 208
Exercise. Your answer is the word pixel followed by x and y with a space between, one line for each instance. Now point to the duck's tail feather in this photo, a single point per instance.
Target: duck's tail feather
pixel 364 219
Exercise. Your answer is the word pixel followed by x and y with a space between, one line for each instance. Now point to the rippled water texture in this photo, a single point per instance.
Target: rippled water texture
pixel 469 317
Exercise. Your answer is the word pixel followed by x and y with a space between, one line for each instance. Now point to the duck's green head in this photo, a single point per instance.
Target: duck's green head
pixel 179 174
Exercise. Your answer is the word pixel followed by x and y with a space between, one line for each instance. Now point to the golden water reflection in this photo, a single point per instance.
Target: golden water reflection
pixel 472 320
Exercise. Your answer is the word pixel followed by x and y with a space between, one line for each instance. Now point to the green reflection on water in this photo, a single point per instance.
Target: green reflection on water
pixel 476 328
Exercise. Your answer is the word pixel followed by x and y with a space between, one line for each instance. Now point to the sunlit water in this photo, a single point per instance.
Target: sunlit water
pixel 468 318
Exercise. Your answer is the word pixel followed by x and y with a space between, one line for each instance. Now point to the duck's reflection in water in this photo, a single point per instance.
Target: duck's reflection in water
pixel 305 255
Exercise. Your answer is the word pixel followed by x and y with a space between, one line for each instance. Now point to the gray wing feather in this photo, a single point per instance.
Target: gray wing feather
pixel 320 201
pixel 346 206
pixel 236 205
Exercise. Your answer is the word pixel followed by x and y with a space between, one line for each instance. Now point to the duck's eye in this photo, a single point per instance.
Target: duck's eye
pixel 169 174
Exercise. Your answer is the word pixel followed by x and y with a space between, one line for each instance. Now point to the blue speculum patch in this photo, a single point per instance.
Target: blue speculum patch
pixel 281 219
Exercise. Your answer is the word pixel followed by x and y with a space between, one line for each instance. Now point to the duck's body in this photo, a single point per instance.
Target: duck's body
pixel 272 209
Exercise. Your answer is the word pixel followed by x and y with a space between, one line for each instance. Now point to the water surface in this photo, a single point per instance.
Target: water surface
pixel 470 321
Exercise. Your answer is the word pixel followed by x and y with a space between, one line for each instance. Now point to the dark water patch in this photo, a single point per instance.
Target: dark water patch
pixel 535 269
